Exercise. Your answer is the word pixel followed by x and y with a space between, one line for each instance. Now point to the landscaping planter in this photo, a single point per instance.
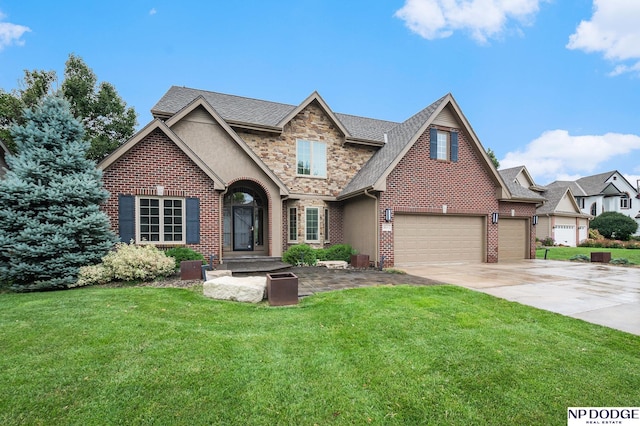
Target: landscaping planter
pixel 601 256
pixel 191 270
pixel 360 260
pixel 282 289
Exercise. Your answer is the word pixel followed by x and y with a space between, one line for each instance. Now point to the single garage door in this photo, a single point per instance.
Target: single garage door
pixel 513 241
pixel 423 238
pixel 565 235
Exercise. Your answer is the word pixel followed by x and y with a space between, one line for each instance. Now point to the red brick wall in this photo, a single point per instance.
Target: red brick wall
pixel 419 184
pixel 157 161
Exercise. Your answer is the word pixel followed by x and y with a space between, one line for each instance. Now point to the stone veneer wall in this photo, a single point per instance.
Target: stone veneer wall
pixel 154 161
pixel 343 161
pixel 279 153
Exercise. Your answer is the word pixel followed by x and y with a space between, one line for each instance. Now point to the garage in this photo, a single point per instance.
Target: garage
pixel 431 238
pixel 513 239
pixel 565 235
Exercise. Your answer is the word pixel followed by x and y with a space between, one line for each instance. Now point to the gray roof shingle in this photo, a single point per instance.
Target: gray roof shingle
pixel 517 190
pixel 397 139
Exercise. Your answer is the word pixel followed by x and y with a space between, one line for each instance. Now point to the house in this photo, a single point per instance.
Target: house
pixel 605 192
pixel 232 176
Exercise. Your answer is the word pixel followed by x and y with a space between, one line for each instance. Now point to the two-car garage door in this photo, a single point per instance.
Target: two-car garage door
pixel 424 238
pixel 439 239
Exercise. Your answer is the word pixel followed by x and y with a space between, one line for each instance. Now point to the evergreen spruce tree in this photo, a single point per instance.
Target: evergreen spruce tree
pixel 50 220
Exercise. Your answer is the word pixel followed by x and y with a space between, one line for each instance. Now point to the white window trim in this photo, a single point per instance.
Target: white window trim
pixel 311 143
pixel 625 201
pixel 306 224
pixel 289 224
pixel 447 145
pixel 161 224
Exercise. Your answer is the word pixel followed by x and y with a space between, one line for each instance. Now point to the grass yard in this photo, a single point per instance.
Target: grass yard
pixel 380 355
pixel 565 253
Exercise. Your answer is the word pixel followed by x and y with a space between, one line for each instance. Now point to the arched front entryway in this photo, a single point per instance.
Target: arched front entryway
pixel 245 217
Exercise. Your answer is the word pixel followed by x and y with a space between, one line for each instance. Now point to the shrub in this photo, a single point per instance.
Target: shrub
pixel 595 235
pixel 300 254
pixel 547 242
pixel 614 225
pixel 619 261
pixel 580 258
pixel 129 262
pixel 321 254
pixel 339 252
pixel 92 275
pixel 183 253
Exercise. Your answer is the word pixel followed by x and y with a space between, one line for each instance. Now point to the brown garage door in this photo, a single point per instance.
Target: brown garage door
pixel 513 239
pixel 422 238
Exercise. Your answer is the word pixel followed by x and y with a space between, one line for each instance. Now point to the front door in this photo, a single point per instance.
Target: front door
pixel 242 228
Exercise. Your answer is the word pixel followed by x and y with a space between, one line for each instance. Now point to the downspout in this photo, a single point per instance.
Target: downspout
pixel 221 221
pixel 376 224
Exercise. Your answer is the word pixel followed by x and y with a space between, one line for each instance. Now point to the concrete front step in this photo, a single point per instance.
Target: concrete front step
pixel 246 265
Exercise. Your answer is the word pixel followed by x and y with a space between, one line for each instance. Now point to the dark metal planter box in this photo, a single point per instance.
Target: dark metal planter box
pixel 191 270
pixel 601 256
pixel 360 260
pixel 282 289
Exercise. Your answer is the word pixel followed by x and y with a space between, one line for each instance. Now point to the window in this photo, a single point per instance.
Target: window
pixel 293 224
pixel 443 145
pixel 625 201
pixel 312 224
pixel 311 158
pixel 594 209
pixel 326 225
pixel 161 220
pixel 582 203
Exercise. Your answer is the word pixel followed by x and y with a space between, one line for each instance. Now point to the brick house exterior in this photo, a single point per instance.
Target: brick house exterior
pixel 231 176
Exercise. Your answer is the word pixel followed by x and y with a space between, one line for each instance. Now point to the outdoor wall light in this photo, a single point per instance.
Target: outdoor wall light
pixel 494 218
pixel 387 215
pixel 535 220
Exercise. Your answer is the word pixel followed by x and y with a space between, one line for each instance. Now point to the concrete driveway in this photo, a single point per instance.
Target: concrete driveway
pixel 597 293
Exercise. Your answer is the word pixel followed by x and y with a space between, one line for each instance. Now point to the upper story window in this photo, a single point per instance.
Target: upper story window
pixel 443 145
pixel 594 209
pixel 311 158
pixel 625 201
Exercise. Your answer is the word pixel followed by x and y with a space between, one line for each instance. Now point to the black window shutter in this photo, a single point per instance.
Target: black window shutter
pixel 193 220
pixel 433 144
pixel 126 218
pixel 454 146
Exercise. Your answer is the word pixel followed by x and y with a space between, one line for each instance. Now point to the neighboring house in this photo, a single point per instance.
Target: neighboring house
pixel 605 192
pixel 4 151
pixel 232 176
pixel 559 217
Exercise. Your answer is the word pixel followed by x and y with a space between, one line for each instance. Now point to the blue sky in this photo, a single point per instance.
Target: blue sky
pixel 550 84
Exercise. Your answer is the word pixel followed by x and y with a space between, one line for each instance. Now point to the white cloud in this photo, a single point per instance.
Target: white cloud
pixel 11 33
pixel 558 155
pixel 153 11
pixel 614 31
pixel 484 19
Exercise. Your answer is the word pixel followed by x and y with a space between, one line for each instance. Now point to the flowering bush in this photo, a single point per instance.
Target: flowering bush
pixel 131 262
pixel 92 275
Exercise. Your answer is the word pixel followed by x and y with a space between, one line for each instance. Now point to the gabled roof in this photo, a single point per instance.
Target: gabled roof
pixel 200 101
pixel 147 130
pixel 518 191
pixel 555 193
pixel 400 139
pixel 597 184
pixel 263 115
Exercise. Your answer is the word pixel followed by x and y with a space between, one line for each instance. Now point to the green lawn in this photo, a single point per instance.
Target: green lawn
pixel 381 355
pixel 565 253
